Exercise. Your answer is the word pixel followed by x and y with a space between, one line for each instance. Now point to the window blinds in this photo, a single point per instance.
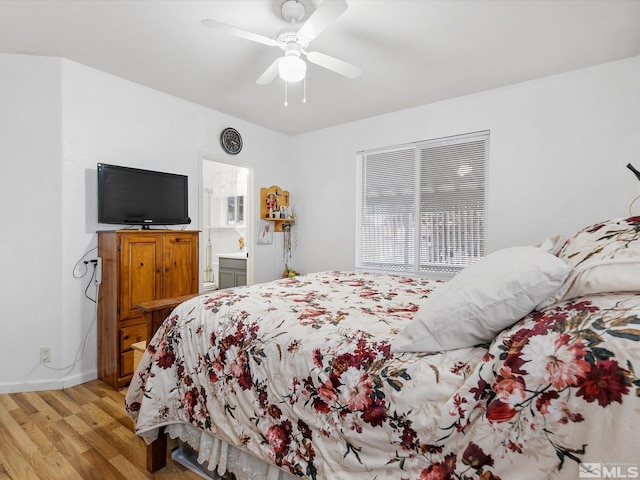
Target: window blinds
pixel 422 206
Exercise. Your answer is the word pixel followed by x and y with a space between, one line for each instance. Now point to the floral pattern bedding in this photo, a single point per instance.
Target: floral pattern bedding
pixel 299 373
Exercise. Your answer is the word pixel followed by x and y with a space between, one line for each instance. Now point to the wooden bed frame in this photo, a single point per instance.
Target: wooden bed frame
pixel 155 312
pixel 157 452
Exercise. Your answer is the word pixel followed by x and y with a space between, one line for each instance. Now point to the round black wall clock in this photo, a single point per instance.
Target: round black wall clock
pixel 231 141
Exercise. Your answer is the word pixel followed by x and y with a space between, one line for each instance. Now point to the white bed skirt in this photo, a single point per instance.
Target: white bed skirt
pixel 216 456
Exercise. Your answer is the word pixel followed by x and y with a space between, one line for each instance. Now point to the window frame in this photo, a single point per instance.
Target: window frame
pixel 415 268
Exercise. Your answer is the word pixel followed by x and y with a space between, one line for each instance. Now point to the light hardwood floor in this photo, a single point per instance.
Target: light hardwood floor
pixel 81 432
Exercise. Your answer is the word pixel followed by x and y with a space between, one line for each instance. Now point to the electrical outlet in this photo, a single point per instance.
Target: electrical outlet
pixel 45 355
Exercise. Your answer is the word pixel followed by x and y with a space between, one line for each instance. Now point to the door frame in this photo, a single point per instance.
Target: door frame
pixel 249 207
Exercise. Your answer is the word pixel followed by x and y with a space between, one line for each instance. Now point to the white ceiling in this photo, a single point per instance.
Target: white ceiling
pixel 412 52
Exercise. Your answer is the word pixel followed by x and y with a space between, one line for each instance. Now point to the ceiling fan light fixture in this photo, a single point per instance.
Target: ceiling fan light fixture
pixel 292 68
pixel 292 11
pixel 294 40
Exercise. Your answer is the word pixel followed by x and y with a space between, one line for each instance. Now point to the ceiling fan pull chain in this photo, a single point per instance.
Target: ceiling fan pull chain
pixel 304 90
pixel 286 103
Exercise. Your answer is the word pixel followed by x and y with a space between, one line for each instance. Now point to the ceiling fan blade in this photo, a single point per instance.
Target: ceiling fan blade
pixel 335 65
pixel 270 73
pixel 238 32
pixel 326 13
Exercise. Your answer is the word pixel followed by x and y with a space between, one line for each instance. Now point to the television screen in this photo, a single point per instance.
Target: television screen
pixel 132 196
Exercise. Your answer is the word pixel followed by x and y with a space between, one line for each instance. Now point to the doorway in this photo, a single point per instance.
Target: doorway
pixel 226 220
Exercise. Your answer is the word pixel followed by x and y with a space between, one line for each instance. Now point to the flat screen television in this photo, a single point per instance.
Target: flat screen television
pixel 132 196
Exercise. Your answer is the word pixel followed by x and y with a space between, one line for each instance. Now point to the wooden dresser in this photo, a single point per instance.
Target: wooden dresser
pixel 138 266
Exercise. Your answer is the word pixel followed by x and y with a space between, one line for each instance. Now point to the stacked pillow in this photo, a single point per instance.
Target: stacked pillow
pixel 497 291
pixel 605 258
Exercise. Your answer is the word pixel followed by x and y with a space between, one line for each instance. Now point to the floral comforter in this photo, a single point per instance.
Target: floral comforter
pixel 299 373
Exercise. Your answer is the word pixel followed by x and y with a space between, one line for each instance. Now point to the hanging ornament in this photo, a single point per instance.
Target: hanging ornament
pixel 286 249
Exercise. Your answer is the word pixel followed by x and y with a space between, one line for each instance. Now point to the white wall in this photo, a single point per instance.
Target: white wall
pixel 558 151
pixel 32 270
pixel 58 120
pixel 559 147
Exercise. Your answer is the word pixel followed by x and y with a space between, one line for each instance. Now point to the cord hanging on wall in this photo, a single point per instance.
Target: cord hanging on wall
pixel 637 174
pixel 633 169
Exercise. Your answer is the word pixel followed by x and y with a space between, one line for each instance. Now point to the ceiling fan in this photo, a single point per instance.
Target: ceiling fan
pixel 291 67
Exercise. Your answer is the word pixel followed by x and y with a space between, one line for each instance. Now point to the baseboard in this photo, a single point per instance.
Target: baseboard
pixel 54 384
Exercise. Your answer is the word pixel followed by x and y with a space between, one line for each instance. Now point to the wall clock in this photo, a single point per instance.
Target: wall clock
pixel 231 141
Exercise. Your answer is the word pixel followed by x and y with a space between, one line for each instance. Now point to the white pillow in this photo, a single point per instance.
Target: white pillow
pixel 483 299
pixel 552 244
pixel 605 257
pixel 601 276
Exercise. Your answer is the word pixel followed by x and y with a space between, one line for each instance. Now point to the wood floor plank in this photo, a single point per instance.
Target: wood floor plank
pixel 13 462
pixel 4 474
pixel 22 403
pixel 101 469
pixel 42 407
pixel 80 395
pixel 27 457
pixel 70 435
pixel 35 434
pixel 128 469
pixel 77 433
pixel 95 416
pixel 116 411
pixel 16 472
pixel 34 445
pixel 8 403
pixel 120 436
pixel 102 390
pixel 52 463
pixel 83 468
pixel 62 397
pixel 78 425
pixel 54 402
pixel 13 433
pixel 93 437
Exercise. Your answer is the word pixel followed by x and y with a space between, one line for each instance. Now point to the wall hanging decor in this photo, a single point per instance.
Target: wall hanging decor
pixel 275 207
pixel 265 232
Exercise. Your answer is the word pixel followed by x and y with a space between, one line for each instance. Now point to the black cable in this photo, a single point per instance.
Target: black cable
pixel 632 168
pixel 91 280
pixel 86 270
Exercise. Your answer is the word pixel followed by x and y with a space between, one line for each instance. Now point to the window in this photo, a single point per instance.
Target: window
pixel 235 210
pixel 422 206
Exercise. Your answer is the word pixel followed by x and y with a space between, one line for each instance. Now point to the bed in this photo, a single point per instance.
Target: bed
pixel 521 366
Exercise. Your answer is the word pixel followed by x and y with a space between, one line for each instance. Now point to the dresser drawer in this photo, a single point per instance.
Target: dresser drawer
pixel 131 335
pixel 127 363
